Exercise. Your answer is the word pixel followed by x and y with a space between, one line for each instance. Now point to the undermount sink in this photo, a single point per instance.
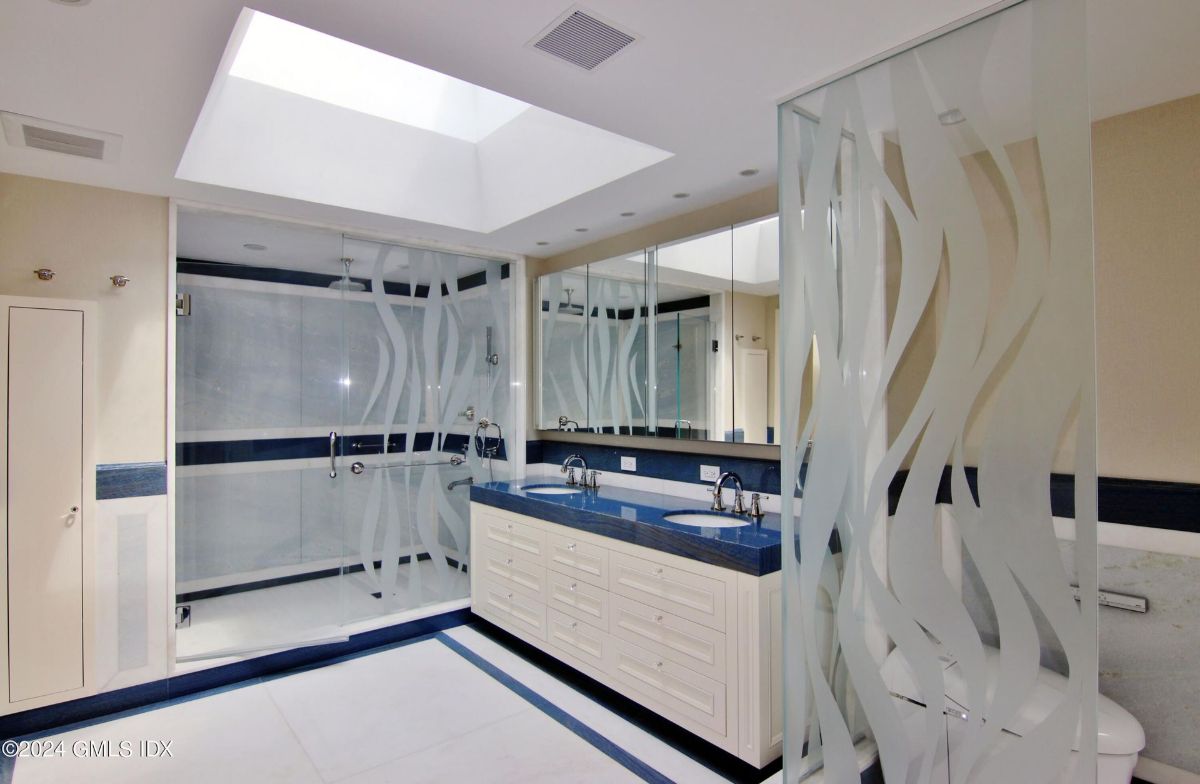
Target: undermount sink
pixel 552 490
pixel 706 520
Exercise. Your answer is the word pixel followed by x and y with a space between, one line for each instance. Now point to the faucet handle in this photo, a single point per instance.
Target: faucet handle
pixel 755 506
pixel 717 505
pixel 739 503
pixel 570 475
pixel 591 479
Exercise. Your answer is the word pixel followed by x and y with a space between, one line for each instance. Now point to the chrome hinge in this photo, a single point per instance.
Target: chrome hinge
pixel 183 304
pixel 183 616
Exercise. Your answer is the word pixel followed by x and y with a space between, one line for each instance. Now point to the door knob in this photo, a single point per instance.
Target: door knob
pixel 74 510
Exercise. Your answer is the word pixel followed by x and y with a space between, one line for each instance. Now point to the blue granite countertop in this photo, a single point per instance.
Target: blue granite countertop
pixel 639 518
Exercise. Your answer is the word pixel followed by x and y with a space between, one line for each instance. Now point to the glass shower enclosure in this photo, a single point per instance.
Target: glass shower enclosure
pixel 330 404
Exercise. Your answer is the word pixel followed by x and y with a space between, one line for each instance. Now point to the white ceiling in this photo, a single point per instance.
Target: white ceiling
pixel 702 83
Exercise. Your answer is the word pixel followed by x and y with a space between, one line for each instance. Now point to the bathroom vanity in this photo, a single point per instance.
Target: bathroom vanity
pixel 684 619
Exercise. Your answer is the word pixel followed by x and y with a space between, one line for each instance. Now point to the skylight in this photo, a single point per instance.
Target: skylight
pixel 297 113
pixel 287 56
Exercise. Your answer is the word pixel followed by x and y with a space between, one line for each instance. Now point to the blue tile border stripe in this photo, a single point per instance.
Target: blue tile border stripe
pixel 257 449
pixel 130 480
pixel 1173 506
pixel 759 475
pixel 591 736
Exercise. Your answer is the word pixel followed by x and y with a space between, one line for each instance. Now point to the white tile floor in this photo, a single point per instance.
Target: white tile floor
pixel 416 713
pixel 282 615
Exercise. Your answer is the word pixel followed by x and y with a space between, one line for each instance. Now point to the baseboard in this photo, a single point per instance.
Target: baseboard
pixel 1154 772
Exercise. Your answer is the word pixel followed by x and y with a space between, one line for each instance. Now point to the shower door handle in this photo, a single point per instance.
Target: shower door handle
pixel 333 454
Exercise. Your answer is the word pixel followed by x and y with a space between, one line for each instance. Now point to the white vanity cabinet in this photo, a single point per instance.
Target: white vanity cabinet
pixel 696 643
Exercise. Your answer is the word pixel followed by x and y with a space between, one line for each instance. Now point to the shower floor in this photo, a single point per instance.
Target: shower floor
pixel 285 615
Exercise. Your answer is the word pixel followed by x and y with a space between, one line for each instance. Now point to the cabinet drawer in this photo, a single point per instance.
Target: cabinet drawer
pixel 522 538
pixel 691 596
pixel 664 684
pixel 508 568
pixel 581 560
pixel 513 609
pixel 580 600
pixel 576 638
pixel 684 642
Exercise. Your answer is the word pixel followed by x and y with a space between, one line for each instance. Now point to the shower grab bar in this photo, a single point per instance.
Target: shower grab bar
pixel 358 467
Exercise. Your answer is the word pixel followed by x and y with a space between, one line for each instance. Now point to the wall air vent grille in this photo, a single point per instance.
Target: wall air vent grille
pixel 68 143
pixel 582 40
pixel 23 131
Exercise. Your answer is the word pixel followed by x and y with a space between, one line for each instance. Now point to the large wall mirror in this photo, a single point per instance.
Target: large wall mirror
pixel 673 341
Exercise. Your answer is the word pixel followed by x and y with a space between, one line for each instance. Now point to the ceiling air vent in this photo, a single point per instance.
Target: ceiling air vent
pixel 23 131
pixel 582 40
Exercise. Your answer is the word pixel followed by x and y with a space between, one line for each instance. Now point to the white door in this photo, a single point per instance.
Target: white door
pixel 751 395
pixel 44 454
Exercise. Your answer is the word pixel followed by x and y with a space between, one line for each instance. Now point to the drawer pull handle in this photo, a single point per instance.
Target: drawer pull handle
pixel 658 619
pixel 573 625
pixel 574 586
pixel 658 665
pixel 658 571
pixel 508 527
pixel 508 595
pixel 571 546
pixel 508 562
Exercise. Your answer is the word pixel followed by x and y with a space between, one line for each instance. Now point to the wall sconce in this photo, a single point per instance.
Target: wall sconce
pixel 120 281
pixel 44 274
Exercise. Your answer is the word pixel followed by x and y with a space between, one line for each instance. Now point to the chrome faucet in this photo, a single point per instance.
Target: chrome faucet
pixel 469 480
pixel 570 471
pixel 739 503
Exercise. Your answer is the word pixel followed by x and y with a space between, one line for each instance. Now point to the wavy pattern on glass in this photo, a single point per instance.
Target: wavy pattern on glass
pixel 946 186
pixel 564 391
pixel 431 358
pixel 616 367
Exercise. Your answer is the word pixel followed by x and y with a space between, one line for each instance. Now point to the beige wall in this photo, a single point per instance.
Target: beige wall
pixel 86 234
pixel 1147 251
pixel 1147 217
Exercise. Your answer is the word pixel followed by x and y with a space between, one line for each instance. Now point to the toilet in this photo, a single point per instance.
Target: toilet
pixel 1120 736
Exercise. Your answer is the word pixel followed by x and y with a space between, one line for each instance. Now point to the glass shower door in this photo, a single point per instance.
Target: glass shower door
pixel 425 346
pixel 258 529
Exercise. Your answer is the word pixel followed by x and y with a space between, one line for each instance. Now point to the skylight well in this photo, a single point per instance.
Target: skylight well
pixel 295 112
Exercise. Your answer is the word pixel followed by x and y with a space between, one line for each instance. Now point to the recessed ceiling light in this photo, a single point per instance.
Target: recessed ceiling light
pixel 748 172
pixel 951 117
pixel 254 246
pixel 682 195
pixel 581 230
pixel 542 242
pixel 628 214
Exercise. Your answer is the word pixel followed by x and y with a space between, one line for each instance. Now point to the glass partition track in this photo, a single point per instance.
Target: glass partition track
pixel 937 261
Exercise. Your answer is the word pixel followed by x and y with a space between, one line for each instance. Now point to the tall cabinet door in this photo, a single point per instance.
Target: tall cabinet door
pixel 45 501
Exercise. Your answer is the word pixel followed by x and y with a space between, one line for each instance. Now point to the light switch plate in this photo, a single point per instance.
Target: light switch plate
pixel 628 463
pixel 709 473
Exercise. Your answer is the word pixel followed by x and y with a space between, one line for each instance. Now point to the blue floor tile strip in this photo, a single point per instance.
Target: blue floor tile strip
pixel 207 683
pixel 601 743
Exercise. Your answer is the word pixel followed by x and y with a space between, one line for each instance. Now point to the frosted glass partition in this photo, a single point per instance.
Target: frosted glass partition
pixel 937 275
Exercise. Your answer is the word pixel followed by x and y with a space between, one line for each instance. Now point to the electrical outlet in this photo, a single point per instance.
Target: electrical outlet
pixel 628 463
pixel 709 473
